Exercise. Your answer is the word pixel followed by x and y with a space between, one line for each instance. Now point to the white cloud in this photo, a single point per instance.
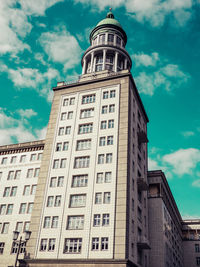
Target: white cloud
pixel 26 113
pixel 14 130
pixel 190 217
pixel 196 183
pixel 152 165
pixel 41 134
pixel 33 78
pixel 156 73
pixel 153 11
pixel 183 161
pixel 61 47
pixel 188 134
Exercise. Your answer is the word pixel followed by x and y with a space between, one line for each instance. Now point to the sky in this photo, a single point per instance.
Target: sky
pixel 42 41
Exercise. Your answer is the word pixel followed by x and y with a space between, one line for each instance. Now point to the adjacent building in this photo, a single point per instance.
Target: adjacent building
pixel 94 204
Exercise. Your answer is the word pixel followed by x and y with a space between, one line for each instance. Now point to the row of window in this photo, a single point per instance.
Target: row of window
pixel 12 191
pixel 69 101
pixel 101 39
pixel 13 160
pixel 12 175
pixel 74 245
pixel 7 209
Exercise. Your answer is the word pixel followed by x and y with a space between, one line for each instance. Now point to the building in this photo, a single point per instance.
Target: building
pixel 94 204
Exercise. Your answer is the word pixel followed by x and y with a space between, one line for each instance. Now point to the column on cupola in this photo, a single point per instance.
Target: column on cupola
pixel 84 66
pixel 95 58
pixel 92 61
pixel 104 58
pixel 125 63
pixel 116 61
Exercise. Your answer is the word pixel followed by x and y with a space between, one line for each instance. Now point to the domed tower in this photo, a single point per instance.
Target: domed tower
pixel 107 48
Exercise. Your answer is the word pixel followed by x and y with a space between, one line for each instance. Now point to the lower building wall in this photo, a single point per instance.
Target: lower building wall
pixel 189 253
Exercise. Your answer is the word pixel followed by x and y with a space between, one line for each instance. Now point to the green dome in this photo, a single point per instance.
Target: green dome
pixel 109 20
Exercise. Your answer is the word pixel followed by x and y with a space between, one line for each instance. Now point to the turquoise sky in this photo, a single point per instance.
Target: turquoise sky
pixel 41 42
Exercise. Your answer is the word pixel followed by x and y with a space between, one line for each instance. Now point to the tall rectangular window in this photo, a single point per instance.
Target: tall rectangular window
pixel 9 209
pixel 33 189
pixel 3 209
pixel 22 209
pixel 57 201
pixel 55 164
pixel 111 124
pixel 101 159
pixel 50 201
pixel 6 192
pixel 102 141
pixel 85 128
pixel 58 146
pixel 111 108
pixel 112 93
pixel 17 174
pixel 82 162
pixel 99 179
pixel 105 95
pixel 72 245
pixel 66 102
pixel 10 175
pixel 198 261
pixel 13 191
pixel 77 200
pixel 106 219
pixel 97 220
pixel 110 140
pixel 29 173
pixel 80 180
pixel 98 198
pixel 197 248
pixel 63 116
pixel 65 146
pixel 36 173
pixel 23 158
pixel 19 226
pixel 33 157
pixel 104 110
pixel 70 115
pixel 63 163
pixel 47 221
pixel 68 130
pixel 54 223
pixel 103 124
pixel 30 208
pixel 51 246
pixel 26 226
pixel 106 199
pixel 53 182
pixel 72 101
pixel 109 158
pixel 43 244
pixel 88 99
pixel 60 181
pixel 4 161
pixel 2 245
pixel 104 243
pixel 108 177
pixel 61 131
pixel 13 159
pixel 26 190
pixel 95 243
pixel 75 222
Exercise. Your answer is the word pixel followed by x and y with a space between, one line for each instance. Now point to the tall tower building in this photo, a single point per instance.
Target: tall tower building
pixel 90 206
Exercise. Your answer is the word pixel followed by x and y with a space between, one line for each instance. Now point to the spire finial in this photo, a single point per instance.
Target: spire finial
pixel 110 9
pixel 110 14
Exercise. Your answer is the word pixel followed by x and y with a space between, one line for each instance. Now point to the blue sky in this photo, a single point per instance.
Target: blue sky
pixel 41 42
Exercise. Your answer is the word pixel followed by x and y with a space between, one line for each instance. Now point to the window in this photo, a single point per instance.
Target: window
pixel 88 99
pixel 50 201
pixel 112 93
pixel 109 158
pixel 33 189
pixel 53 182
pixel 57 201
pixel 26 190
pixel 106 219
pixel 82 162
pixel 39 157
pixel 108 177
pixel 63 163
pixel 103 124
pixel 104 110
pixel 13 191
pixel 17 174
pixel 68 130
pixel 19 226
pixel 63 116
pixel 33 157
pixel 13 159
pixel 47 221
pixel 10 175
pixel 98 198
pixel 36 173
pixel 101 38
pixel 97 220
pixel 43 245
pixel 111 108
pixel 3 209
pixel 61 131
pixel 111 124
pixel 65 102
pixel 72 245
pixel 80 180
pixel 1 173
pixel 104 243
pixel 6 192
pixel 77 201
pixel 65 146
pixel 22 208
pixel 197 248
pixel 26 226
pixel 105 95
pixel 70 115
pixel 60 181
pixel 87 113
pixel 9 209
pixel 85 128
pixel 83 144
pixel 72 101
pixel 110 38
pixel 101 159
pixel 95 243
pixel 5 228
pixel 110 140
pixel 51 246
pixel 75 222
pixel 198 261
pixel 99 179
pixel 106 199
pixel 118 41
pixel 4 161
pixel 2 245
pixel 54 223
pixel 30 208
pixel 58 146
pixel 102 141
pixel 55 164
pixel 23 158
